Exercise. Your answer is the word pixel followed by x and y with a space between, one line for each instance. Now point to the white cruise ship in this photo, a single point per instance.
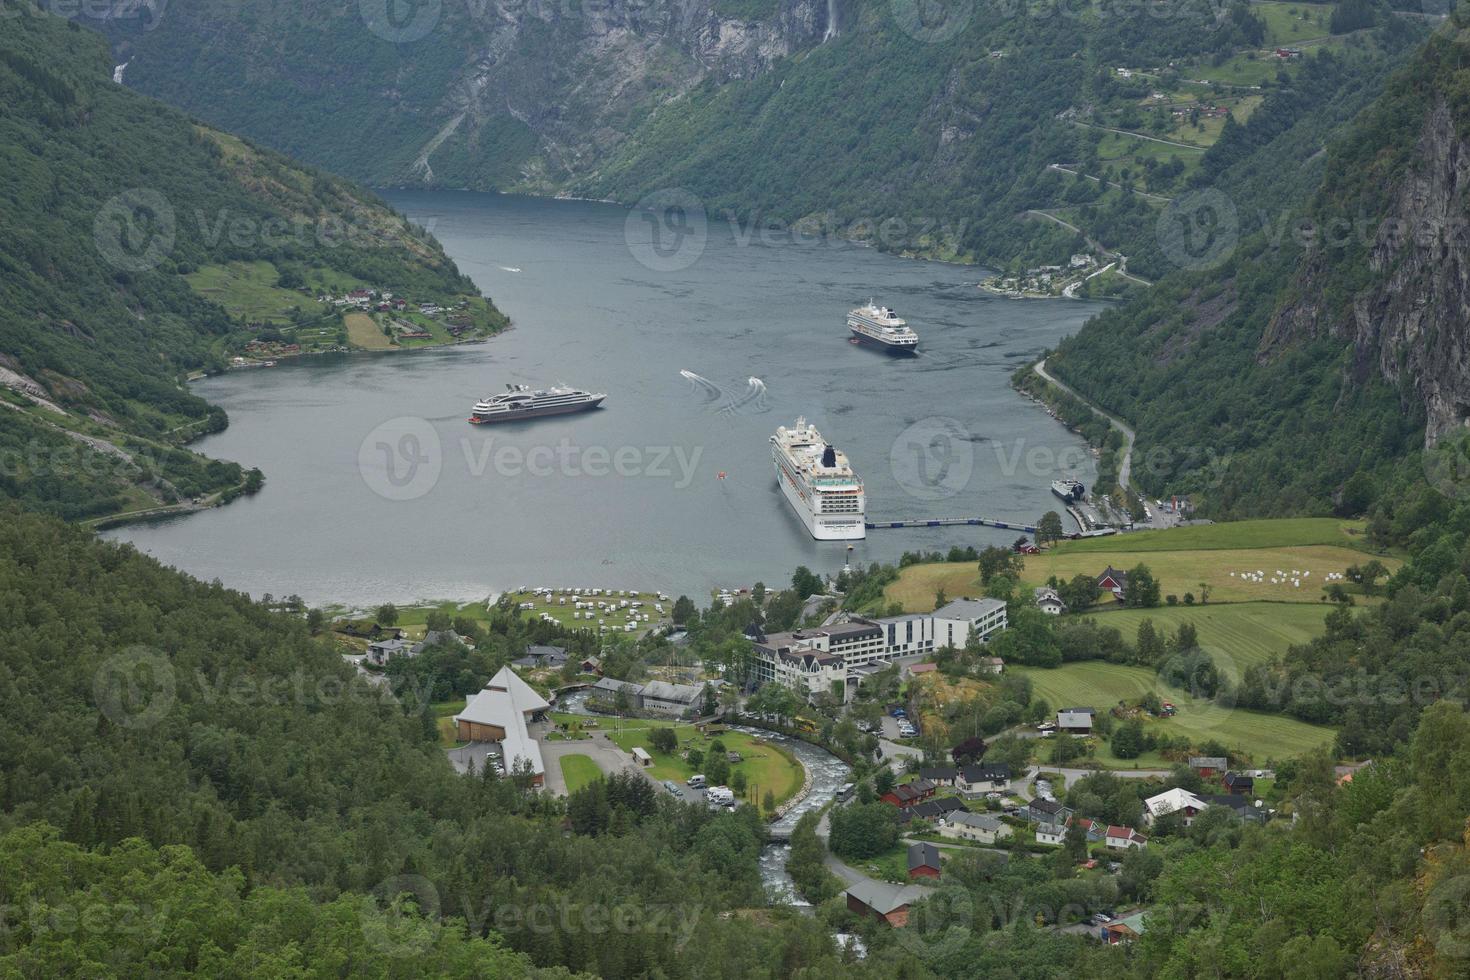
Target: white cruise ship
pixel 820 485
pixel 520 402
pixel 881 327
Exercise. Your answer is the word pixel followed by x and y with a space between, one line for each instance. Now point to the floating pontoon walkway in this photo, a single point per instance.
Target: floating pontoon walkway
pixel 949 521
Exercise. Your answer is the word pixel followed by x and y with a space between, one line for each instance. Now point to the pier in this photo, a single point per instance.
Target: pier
pixel 950 521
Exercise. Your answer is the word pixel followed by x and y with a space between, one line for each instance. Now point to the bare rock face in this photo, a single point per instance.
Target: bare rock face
pixel 1411 325
pixel 613 58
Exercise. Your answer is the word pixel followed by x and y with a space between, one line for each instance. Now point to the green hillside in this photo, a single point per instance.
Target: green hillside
pixel 111 203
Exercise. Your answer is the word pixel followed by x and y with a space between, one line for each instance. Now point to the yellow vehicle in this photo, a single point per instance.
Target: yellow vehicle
pixel 806 725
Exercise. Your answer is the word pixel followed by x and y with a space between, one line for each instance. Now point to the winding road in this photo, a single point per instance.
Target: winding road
pixel 1125 467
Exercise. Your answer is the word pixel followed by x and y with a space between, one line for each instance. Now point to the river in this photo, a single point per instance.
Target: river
pixel 377 489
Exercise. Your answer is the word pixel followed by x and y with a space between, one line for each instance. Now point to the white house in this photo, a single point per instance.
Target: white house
pixel 1122 838
pixel 981 778
pixel 382 651
pixel 979 827
pixel 1050 833
pixel 1049 602
pixel 1172 801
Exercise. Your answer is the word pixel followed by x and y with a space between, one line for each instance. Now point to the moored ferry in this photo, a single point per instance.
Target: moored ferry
pixel 883 328
pixel 818 483
pixel 520 402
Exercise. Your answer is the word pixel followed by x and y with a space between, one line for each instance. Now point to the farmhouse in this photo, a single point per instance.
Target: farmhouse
pixel 979 827
pixel 885 902
pixel 923 860
pixel 1208 765
pixel 1172 801
pixel 940 775
pixel 1047 811
pixel 1114 581
pixel 500 713
pixel 934 809
pixel 1049 602
pixel 1075 721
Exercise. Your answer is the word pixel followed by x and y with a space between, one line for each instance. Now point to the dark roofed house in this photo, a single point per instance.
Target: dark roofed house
pixel 984 777
pixel 923 860
pixel 940 775
pixel 883 901
pixel 907 794
pixel 935 809
pixel 1047 811
pixel 1114 581
pixel 1239 784
pixel 1208 765
pixel 1075 721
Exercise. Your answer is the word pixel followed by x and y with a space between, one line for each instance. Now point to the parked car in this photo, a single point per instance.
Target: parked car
pixel 696 782
pixel 1101 920
pixel 672 787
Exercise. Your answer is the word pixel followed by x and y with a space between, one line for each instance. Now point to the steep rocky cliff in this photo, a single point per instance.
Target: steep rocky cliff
pixel 1388 260
pixel 512 94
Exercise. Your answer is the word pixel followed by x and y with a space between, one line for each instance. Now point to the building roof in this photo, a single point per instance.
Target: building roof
pixel 1238 779
pixel 980 821
pixel 930 809
pixel 1050 829
pixel 939 773
pixel 882 897
pixel 391 646
pixel 673 693
pixel 1076 711
pixel 546 652
pixel 1117 575
pixel 923 855
pixel 986 772
pixel 1171 801
pixel 968 608
pixel 1045 806
pixel 922 668
pixel 504 703
pixel 1208 762
pixel 612 686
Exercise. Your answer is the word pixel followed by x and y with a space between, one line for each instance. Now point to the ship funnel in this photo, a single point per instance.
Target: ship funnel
pixel 829 457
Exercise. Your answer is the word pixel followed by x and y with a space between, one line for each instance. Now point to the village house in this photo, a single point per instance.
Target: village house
pixel 1208 765
pixel 1123 930
pixel 1075 721
pixel 923 860
pixel 1047 811
pixel 907 794
pixel 939 808
pixel 381 651
pixel 883 901
pixel 1114 581
pixel 542 656
pixel 992 665
pixel 1172 801
pixel 1094 830
pixel 982 828
pixel 940 775
pixel 674 700
pixel 1050 833
pixel 1122 838
pixel 985 777
pixel 1049 602
pixel 1239 784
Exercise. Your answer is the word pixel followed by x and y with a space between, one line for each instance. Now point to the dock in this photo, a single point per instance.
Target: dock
pixel 951 521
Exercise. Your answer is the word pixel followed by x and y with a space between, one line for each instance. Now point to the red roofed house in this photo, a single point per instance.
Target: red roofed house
pixel 907 794
pixel 1122 838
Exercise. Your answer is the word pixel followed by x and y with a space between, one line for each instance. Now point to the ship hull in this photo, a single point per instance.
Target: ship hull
pixel 522 415
pixel 897 350
pixel 852 527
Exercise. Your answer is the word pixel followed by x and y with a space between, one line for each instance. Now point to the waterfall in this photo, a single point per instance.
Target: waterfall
pixel 831 21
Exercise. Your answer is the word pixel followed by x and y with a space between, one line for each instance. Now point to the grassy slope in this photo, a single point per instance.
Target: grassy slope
pixel 1102 685
pixel 1238 635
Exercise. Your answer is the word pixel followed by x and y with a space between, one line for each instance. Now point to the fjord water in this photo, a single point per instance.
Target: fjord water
pixel 377 489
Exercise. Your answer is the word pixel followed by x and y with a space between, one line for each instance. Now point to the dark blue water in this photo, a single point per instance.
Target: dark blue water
pixel 378 490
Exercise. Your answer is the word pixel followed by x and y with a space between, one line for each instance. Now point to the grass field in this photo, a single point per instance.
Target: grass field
pixel 1280 533
pixel 578 771
pixel 562 609
pixel 1238 635
pixel 248 290
pixel 1102 685
pixel 1177 572
pixel 363 331
pixel 765 765
pixel 1288 23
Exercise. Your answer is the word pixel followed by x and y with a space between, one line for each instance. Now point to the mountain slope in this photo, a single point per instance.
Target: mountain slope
pixel 1328 343
pixel 110 202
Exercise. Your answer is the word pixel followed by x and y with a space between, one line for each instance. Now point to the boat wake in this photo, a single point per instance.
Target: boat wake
pixel 754 398
pixel 509 268
pixel 711 391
